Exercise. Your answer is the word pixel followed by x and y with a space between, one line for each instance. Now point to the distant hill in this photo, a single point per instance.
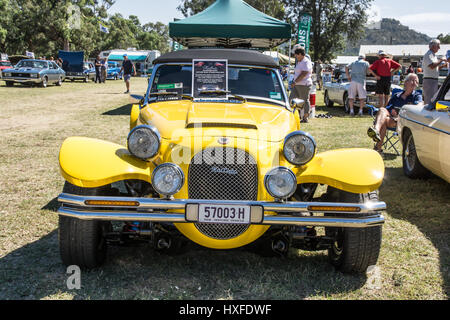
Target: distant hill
pixel 391 32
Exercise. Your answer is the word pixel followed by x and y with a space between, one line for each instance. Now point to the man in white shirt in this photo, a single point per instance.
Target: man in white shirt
pixel 431 66
pixel 302 80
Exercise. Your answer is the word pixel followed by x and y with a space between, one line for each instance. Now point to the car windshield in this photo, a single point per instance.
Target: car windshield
pixel 5 64
pixel 111 65
pixel 242 81
pixel 32 64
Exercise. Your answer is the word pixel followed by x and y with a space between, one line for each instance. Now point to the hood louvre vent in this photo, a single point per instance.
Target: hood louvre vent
pixel 221 125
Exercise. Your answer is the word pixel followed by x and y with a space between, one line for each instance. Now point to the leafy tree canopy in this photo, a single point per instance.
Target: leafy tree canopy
pixel 46 26
pixel 333 22
pixel 444 39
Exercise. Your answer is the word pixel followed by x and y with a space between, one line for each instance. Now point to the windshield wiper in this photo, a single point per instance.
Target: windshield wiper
pixel 222 92
pixel 162 94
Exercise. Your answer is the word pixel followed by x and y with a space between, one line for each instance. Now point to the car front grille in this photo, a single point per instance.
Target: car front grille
pixel 22 75
pixel 222 174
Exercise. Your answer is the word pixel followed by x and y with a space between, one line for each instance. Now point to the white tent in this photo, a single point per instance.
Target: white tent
pixel 344 60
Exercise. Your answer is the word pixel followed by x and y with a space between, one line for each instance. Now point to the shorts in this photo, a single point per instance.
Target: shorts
pixel 383 86
pixel 126 77
pixel 357 88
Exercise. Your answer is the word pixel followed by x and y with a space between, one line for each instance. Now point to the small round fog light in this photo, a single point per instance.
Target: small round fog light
pixel 280 182
pixel 167 179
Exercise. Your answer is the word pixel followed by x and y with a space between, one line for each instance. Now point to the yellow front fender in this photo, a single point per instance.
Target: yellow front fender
pixel 134 115
pixel 90 163
pixel 353 170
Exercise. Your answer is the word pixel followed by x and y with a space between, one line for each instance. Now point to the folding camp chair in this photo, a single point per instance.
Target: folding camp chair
pixel 391 139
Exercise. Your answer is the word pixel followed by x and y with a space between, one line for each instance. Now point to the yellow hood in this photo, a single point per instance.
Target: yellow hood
pixel 245 120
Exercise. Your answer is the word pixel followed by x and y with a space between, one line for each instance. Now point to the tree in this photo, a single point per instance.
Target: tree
pixel 333 22
pixel 155 35
pixel 45 26
pixel 444 39
pixel 7 11
pixel 273 8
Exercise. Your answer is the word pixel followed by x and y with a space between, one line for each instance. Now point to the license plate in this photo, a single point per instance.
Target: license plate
pixel 220 213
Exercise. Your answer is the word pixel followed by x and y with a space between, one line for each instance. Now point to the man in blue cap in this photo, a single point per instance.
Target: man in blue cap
pixel 128 69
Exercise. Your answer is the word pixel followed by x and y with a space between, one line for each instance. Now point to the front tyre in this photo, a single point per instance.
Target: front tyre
pixel 412 168
pixel 44 82
pixel 354 249
pixel 327 100
pixel 82 242
pixel 346 103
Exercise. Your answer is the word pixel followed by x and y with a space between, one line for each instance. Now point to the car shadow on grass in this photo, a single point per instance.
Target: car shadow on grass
pixel 425 204
pixel 124 110
pixel 35 271
pixel 53 205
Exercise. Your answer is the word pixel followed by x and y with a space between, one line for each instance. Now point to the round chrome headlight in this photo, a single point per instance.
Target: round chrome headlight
pixel 167 179
pixel 280 182
pixel 144 142
pixel 299 148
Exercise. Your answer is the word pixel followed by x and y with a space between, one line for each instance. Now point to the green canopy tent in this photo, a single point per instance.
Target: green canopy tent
pixel 230 24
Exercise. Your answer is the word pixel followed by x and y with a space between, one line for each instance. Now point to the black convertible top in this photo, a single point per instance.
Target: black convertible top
pixel 234 56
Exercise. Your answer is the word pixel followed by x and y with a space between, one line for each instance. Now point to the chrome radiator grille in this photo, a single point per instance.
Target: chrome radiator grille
pixel 223 174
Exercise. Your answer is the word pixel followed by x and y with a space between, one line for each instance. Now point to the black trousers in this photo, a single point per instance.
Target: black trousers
pixel 98 75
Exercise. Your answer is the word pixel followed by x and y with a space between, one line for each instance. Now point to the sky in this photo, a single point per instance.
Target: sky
pixel 431 17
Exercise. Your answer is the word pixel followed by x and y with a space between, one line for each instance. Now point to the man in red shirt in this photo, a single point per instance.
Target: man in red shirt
pixel 384 68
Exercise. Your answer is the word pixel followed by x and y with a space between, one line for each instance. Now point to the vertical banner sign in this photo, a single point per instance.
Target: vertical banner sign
pixel 304 26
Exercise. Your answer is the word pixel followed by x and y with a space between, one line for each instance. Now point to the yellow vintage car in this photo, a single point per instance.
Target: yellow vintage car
pixel 216 155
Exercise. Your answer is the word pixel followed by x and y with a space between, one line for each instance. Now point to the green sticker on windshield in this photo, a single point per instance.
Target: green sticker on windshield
pixel 170 86
pixel 275 95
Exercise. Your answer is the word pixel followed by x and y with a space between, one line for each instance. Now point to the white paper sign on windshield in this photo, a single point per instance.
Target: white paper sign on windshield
pixel 209 75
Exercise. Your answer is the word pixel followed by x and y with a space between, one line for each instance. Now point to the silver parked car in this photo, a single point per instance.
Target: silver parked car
pixel 424 131
pixel 337 92
pixel 32 71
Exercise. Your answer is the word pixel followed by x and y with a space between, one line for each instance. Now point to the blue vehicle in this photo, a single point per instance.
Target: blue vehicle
pixel 113 72
pixel 87 74
pixel 33 71
pixel 75 67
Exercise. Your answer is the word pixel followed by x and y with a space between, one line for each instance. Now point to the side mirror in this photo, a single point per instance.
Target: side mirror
pixel 443 106
pixel 297 103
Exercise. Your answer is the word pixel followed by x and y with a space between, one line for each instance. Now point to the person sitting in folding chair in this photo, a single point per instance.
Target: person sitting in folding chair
pixel 387 117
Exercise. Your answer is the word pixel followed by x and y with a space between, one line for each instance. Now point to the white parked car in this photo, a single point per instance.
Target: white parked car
pixel 424 131
pixel 337 92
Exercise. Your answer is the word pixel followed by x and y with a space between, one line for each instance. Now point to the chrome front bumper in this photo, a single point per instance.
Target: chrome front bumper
pixel 22 80
pixel 76 77
pixel 357 215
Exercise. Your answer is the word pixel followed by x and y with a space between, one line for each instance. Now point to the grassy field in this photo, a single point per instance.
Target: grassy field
pixel 414 259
